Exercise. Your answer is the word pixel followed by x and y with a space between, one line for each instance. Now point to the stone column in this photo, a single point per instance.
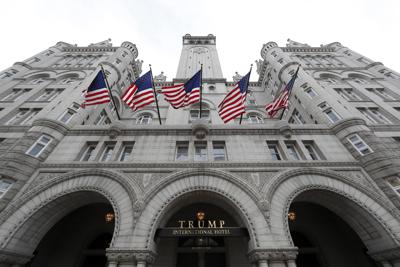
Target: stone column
pixel 291 263
pixel 112 264
pixel 386 264
pixel 274 257
pixel 10 259
pixel 144 258
pixel 262 263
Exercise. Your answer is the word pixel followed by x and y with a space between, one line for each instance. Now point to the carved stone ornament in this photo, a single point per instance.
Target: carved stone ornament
pixel 236 77
pixel 284 128
pixel 200 128
pixel 160 78
pixel 115 130
pixel 13 258
pixel 278 254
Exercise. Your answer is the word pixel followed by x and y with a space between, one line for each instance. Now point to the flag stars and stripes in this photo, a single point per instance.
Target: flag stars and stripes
pixel 233 104
pixel 97 92
pixel 182 95
pixel 140 93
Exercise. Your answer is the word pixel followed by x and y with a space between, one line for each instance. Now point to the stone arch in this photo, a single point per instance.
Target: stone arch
pixel 373 218
pixel 71 74
pixel 357 74
pixel 41 74
pixel 327 74
pixel 255 112
pixel 240 197
pixel 26 220
pixel 206 103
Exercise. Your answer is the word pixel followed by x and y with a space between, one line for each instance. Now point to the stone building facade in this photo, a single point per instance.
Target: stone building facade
pixel 78 187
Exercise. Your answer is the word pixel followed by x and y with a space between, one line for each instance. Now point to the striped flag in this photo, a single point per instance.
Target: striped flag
pixel 140 93
pixel 97 93
pixel 184 94
pixel 282 101
pixel 233 104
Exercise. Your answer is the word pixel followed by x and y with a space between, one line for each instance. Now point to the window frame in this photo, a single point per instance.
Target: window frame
pixel 181 144
pixel 5 181
pixel 38 142
pixel 215 156
pixel 359 141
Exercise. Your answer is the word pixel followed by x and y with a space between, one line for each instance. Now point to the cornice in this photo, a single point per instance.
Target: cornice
pixel 129 166
pixel 186 130
pixel 90 49
pixel 308 49
pixel 273 254
pixel 52 124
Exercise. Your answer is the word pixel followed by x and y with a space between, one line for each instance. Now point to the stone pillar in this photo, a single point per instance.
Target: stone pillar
pixel 274 257
pixel 112 264
pixel 291 263
pixel 262 263
pixel 10 259
pixel 386 264
pixel 144 258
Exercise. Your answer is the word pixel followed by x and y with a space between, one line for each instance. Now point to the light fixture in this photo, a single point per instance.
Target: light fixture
pixel 109 217
pixel 292 216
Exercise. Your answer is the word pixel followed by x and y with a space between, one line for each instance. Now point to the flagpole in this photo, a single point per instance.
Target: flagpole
pixel 248 81
pixel 109 90
pixel 201 86
pixel 155 94
pixel 290 92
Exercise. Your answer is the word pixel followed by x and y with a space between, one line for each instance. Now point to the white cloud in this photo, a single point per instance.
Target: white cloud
pixel 242 27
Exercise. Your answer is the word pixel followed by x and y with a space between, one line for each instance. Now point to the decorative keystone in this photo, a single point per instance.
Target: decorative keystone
pixel 115 129
pixel 284 128
pixel 200 128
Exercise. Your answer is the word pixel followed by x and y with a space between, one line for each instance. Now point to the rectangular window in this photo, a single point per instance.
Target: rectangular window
pixel 88 152
pixel 66 116
pixel 292 151
pixel 182 151
pixel 274 150
pixel 102 118
pixel 332 115
pixel 394 183
pixel 126 151
pixel 195 114
pixel 312 150
pixel 374 116
pixel 15 94
pixel 23 117
pixel 4 186
pixel 359 144
pixel 200 151
pixel 383 93
pixel 310 92
pixel 107 152
pixel 296 118
pixel 348 93
pixel 219 152
pixel 37 148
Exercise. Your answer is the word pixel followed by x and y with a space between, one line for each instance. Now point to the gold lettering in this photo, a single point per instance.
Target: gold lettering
pixel 221 223
pixel 181 224
pixel 190 224
pixel 212 224
pixel 200 224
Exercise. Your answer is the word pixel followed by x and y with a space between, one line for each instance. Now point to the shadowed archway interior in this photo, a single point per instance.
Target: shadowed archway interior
pixel 79 239
pixel 324 239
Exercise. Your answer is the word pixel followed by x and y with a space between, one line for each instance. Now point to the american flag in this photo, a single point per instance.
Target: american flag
pixel 282 101
pixel 97 93
pixel 184 94
pixel 140 93
pixel 233 104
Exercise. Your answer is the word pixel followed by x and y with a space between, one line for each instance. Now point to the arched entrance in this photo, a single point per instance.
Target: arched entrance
pixel 201 230
pixel 79 239
pixel 323 238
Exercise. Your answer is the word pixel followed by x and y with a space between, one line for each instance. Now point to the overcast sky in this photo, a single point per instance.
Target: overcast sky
pixel 241 27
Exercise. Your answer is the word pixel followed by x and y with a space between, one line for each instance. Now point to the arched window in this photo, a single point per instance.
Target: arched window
pixel 254 118
pixel 144 118
pixel 195 111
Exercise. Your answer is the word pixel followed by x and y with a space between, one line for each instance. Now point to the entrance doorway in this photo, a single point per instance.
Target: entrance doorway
pixel 201 252
pixel 324 239
pixel 199 242
pixel 79 239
